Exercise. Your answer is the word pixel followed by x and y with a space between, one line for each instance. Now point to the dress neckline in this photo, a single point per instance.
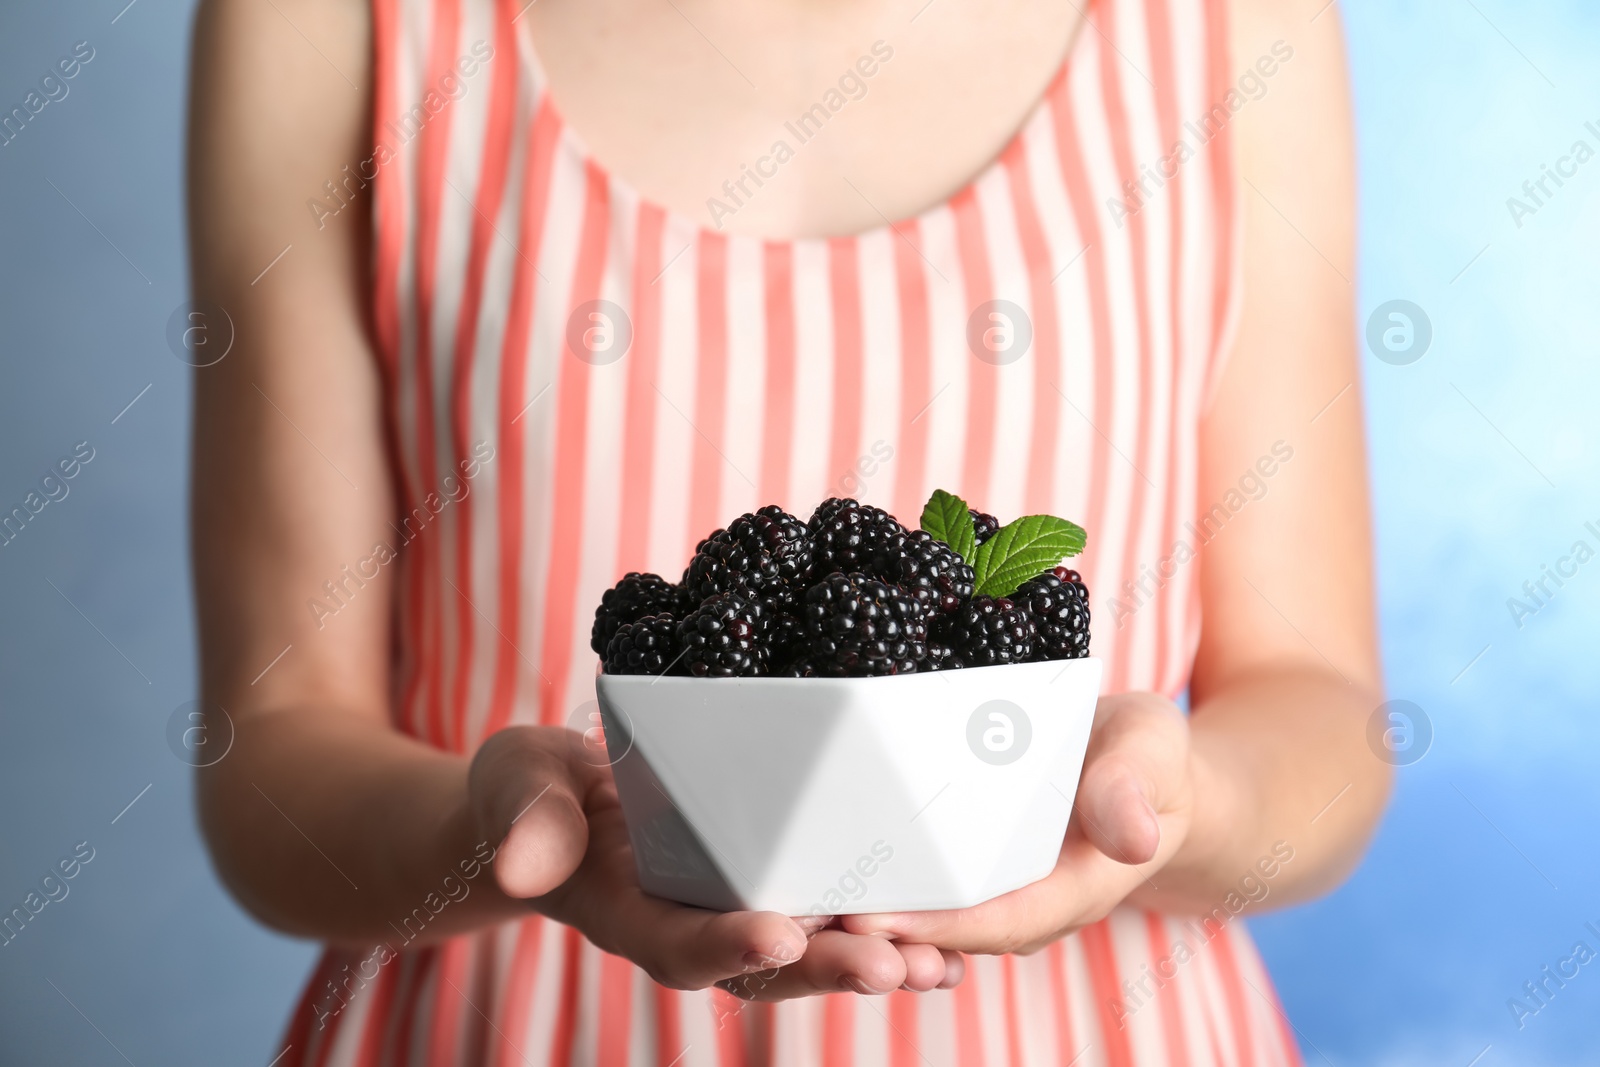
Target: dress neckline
pixel 569 139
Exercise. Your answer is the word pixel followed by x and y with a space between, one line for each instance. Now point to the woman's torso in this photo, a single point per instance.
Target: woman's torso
pixel 582 383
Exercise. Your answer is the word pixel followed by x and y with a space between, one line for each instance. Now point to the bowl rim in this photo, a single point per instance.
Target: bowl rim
pixel 678 681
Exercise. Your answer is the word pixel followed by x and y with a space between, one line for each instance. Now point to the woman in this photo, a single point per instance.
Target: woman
pixel 430 450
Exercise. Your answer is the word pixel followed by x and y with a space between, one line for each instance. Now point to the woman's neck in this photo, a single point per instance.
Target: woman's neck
pixel 850 115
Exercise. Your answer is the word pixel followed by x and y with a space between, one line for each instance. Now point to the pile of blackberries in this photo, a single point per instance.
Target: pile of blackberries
pixel 852 593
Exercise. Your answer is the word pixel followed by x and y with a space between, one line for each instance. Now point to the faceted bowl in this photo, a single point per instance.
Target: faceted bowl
pixel 835 796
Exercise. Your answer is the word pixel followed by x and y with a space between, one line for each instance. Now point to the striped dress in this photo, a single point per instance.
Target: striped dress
pixel 543 444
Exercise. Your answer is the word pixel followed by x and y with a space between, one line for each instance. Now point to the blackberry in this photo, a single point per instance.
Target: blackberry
pixel 1058 602
pixel 721 638
pixel 927 568
pixel 755 550
pixel 1072 578
pixel 986 632
pixel 1067 574
pixel 826 510
pixel 780 629
pixel 857 626
pixel 644 646
pixel 984 525
pixel 846 535
pixel 636 596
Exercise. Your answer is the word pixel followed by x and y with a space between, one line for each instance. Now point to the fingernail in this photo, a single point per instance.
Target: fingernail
pixel 851 982
pixel 1149 822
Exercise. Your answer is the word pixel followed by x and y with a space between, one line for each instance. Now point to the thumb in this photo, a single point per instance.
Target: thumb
pixel 1135 757
pixel 1116 814
pixel 528 796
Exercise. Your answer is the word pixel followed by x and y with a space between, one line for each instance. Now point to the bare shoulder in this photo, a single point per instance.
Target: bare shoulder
pixel 280 97
pixel 1311 24
pixel 332 28
pixel 1295 49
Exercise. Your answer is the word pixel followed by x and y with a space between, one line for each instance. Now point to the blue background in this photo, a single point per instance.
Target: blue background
pixel 1485 868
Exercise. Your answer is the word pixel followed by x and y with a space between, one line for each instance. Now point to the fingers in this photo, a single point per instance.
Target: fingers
pixel 1117 816
pixel 677 946
pixel 834 962
pixel 927 967
pixel 1139 749
pixel 542 846
pixel 955 969
pixel 694 948
pixel 527 794
pixel 1022 920
pixel 981 929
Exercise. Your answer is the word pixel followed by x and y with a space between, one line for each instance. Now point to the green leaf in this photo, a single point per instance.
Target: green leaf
pixel 947 517
pixel 1024 549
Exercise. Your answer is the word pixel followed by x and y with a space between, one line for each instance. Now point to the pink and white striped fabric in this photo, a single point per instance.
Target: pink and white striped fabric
pixel 757 372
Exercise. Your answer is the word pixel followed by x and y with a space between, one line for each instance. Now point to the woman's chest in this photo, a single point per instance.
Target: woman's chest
pixel 792 120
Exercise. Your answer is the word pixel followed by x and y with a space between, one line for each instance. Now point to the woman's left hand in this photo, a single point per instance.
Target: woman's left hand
pixel 1130 817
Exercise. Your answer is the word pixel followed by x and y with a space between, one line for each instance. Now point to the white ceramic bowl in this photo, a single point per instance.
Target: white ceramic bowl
pixel 840 796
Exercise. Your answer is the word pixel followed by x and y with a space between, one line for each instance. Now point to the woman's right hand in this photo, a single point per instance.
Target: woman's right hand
pixel 563 846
